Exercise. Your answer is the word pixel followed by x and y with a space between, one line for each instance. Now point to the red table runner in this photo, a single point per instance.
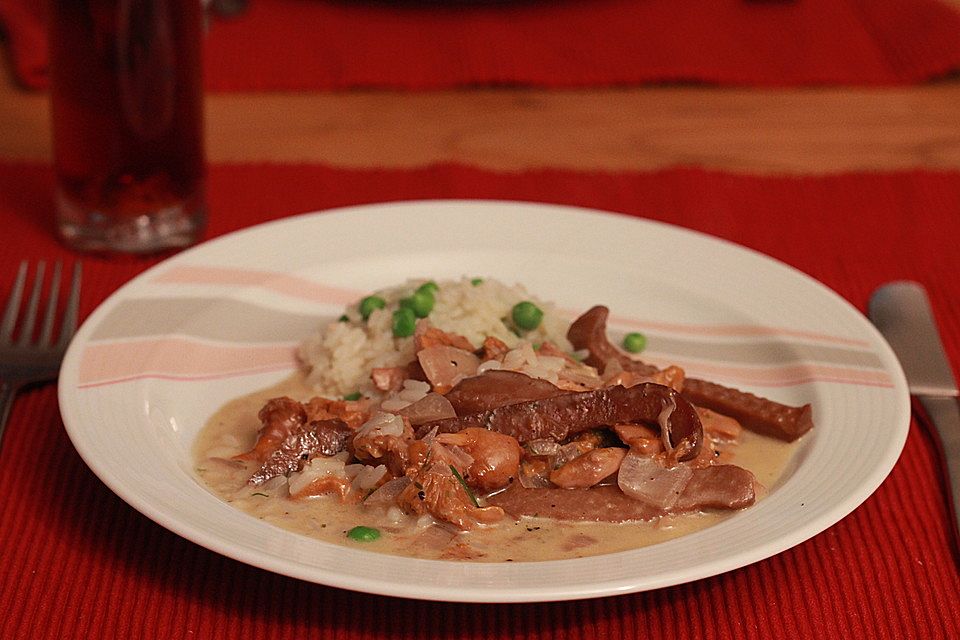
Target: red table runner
pixel 337 44
pixel 76 562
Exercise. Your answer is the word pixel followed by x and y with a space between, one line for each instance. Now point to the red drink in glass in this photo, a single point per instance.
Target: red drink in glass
pixel 127 104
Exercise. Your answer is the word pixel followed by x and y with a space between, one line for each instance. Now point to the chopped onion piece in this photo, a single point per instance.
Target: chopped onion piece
pixel 567 453
pixel 414 390
pixel 431 435
pixel 394 404
pixel 430 407
pixel 488 365
pixel 319 467
pixel 644 479
pixel 446 366
pixel 387 492
pixel 382 424
pixel 580 354
pixel 459 457
pixel 551 363
pixel 395 515
pixel 364 476
pixel 663 419
pixel 531 479
pixel 543 447
pixel 522 355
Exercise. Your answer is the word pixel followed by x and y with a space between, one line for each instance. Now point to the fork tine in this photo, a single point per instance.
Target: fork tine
pixel 46 331
pixel 73 308
pixel 13 305
pixel 33 302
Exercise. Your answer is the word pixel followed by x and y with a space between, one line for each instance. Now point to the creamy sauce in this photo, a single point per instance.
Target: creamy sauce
pixel 233 430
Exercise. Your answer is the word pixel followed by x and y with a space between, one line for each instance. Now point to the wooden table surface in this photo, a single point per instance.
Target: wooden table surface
pixel 819 130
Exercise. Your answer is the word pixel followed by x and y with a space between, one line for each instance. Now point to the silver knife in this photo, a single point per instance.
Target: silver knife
pixel 902 313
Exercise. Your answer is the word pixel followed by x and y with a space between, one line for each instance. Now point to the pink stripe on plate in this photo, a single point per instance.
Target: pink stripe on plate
pixel 278 282
pixel 304 289
pixel 780 376
pixel 190 378
pixel 735 331
pixel 178 358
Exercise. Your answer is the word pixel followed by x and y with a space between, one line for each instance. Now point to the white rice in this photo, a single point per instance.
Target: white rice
pixel 340 355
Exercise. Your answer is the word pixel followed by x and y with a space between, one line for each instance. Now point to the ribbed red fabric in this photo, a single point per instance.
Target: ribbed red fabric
pixel 76 562
pixel 424 44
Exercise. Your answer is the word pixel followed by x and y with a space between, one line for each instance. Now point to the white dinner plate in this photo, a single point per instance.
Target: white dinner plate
pixel 163 353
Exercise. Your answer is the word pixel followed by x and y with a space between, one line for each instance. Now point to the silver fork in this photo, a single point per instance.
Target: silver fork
pixel 27 360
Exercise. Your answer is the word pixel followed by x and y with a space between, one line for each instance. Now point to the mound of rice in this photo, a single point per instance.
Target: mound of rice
pixel 340 355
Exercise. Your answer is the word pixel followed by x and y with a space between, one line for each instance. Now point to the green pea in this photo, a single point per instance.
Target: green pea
pixel 371 303
pixel 476 281
pixel 421 303
pixel 430 286
pixel 343 318
pixel 353 396
pixel 404 322
pixel 526 315
pixel 363 534
pixel 634 342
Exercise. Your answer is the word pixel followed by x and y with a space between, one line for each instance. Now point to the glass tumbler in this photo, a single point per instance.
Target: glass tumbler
pixel 127 109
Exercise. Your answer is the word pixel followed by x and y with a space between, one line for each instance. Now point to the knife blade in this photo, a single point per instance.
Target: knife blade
pixel 902 313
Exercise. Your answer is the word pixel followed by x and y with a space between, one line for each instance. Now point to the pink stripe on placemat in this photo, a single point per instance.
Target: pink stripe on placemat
pixel 76 562
pixel 338 44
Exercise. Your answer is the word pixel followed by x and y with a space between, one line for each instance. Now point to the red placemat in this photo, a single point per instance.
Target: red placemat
pixel 75 561
pixel 337 44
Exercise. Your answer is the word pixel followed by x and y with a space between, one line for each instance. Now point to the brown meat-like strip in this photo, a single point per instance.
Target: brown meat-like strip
pixel 761 415
pixel 498 388
pixel 559 416
pixel 723 487
pixel 589 332
pixel 596 504
pixel 318 438
pixel 753 412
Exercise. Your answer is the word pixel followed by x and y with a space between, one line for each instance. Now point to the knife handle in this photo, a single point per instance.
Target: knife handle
pixel 944 415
